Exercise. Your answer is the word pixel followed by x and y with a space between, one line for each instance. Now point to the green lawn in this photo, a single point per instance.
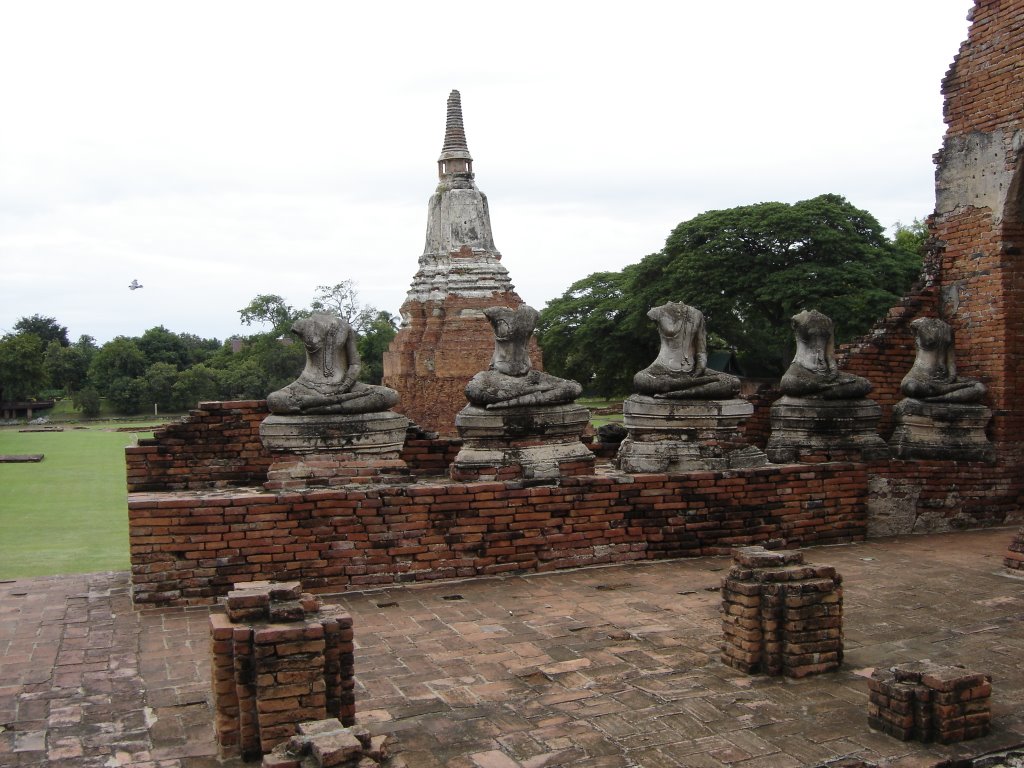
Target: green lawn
pixel 67 513
pixel 601 403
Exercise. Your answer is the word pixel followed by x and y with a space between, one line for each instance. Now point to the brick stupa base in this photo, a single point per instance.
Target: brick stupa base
pixel 780 616
pixel 930 702
pixel 278 660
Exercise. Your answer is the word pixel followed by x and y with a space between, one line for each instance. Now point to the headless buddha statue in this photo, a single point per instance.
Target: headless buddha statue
pixel 328 382
pixel 814 372
pixel 511 380
pixel 933 376
pixel 680 371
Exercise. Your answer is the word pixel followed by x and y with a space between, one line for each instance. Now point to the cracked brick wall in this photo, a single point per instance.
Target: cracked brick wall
pixel 189 548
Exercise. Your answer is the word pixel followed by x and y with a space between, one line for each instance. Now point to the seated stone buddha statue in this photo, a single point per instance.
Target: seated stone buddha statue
pixel 511 381
pixel 328 382
pixel 680 371
pixel 814 372
pixel 933 377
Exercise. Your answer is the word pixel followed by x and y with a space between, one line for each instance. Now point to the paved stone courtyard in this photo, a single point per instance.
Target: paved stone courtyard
pixel 602 667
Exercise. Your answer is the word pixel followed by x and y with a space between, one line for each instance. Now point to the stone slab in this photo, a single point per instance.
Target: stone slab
pixel 380 434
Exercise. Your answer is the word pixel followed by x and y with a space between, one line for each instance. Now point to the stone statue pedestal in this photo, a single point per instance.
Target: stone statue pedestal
pixel 533 441
pixel 334 449
pixel 668 435
pixel 950 431
pixel 805 428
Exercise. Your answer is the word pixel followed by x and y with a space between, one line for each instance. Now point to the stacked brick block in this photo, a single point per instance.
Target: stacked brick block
pixel 1015 554
pixel 278 660
pixel 190 548
pixel 781 616
pixel 930 702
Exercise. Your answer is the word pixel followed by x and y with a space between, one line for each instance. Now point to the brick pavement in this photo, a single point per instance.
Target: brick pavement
pixel 603 667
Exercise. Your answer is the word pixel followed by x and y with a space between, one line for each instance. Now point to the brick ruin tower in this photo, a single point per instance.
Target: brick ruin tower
pixel 445 338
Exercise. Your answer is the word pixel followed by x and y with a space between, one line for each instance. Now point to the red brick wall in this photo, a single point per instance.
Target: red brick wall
pixel 190 547
pixel 219 445
pixel 216 445
pixel 926 496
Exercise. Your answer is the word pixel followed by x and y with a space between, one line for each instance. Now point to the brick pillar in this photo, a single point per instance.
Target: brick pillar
pixel 278 660
pixel 780 616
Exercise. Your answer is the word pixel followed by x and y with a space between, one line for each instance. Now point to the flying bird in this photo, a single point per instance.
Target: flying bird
pixel 134 285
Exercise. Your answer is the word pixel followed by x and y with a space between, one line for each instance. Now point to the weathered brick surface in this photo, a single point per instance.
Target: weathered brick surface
pixel 191 547
pixel 217 444
pixel 781 616
pixel 926 496
pixel 278 660
pixel 927 702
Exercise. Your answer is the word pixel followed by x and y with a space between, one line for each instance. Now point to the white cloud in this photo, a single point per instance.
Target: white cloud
pixel 216 151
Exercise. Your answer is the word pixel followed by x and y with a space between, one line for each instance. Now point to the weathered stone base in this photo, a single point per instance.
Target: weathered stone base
pixel 1015 554
pixel 930 702
pixel 278 659
pixel 807 429
pixel 781 617
pixel 685 435
pixel 378 434
pixel 953 431
pixel 333 469
pixel 539 441
pixel 334 449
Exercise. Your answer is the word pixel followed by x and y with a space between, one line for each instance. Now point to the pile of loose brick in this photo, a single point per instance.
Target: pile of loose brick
pixel 781 616
pixel 279 659
pixel 329 743
pixel 927 702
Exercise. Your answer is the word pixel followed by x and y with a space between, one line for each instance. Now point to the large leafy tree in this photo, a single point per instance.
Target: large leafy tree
pixel 116 372
pixel 46 328
pixel 597 334
pixel 21 366
pixel 749 269
pixel 374 338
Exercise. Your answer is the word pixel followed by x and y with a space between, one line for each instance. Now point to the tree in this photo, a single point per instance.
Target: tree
pixel 87 401
pixel 342 299
pixel 373 343
pixel 118 358
pixel 116 371
pixel 160 380
pixel 911 237
pixel 193 385
pixel 595 333
pixel 749 270
pixel 160 345
pixel 66 367
pixel 269 309
pixel 46 328
pixel 22 374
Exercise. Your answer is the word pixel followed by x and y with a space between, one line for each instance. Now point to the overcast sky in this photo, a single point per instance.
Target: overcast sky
pixel 215 151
